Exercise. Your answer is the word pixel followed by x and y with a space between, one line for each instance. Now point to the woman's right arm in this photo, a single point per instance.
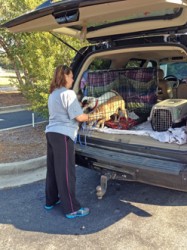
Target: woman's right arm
pixel 88 117
pixel 82 118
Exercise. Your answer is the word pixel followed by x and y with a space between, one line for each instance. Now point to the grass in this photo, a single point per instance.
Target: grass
pixel 7 73
pixel 7 78
pixel 7 81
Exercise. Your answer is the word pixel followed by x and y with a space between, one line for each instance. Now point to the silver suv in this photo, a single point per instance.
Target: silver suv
pixel 131 41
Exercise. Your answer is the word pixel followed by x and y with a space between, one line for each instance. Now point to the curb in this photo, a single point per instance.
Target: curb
pixel 12 181
pixel 23 172
pixel 22 166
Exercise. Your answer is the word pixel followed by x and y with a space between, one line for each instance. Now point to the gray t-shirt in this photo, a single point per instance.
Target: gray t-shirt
pixel 63 107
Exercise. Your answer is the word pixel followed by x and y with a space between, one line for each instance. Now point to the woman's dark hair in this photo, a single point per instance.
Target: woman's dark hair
pixel 58 80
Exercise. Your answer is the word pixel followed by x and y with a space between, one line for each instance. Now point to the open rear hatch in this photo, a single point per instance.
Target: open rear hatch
pixel 98 20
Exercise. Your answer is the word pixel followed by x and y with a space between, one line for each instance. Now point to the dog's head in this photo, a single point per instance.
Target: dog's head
pixel 88 103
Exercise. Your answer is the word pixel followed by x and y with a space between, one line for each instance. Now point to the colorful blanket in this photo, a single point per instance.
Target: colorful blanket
pixel 122 124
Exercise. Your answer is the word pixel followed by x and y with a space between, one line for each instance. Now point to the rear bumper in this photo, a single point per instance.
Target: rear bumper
pixel 134 167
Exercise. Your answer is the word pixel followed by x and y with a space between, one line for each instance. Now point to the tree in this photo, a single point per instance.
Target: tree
pixel 33 55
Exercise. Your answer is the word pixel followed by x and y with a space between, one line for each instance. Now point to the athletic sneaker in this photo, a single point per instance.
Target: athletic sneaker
pixel 80 213
pixel 52 206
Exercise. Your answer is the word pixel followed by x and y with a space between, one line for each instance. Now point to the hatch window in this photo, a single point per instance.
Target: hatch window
pixel 168 13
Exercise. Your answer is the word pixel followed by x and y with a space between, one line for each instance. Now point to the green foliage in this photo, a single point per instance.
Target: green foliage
pixel 43 53
pixel 38 96
pixel 100 64
pixel 33 55
pixel 5 62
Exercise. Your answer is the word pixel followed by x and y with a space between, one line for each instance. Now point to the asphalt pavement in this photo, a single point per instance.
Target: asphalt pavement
pixel 130 216
pixel 18 118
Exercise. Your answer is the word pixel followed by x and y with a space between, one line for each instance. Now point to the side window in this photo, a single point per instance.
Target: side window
pixel 97 64
pixel 100 64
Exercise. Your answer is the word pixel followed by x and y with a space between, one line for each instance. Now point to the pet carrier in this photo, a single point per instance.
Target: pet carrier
pixel 168 113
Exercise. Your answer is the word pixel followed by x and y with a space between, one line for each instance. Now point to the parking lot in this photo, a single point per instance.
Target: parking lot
pixel 130 216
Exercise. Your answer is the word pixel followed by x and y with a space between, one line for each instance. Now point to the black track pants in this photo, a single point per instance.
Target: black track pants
pixel 61 177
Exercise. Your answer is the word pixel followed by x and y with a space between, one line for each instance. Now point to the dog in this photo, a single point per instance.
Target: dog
pixel 114 106
pixel 90 102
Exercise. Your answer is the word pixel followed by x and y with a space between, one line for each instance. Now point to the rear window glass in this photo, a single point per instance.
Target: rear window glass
pixel 168 13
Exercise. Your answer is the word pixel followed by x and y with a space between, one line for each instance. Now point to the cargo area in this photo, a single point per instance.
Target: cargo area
pixel 145 114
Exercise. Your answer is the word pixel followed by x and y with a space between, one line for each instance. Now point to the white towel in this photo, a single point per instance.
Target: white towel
pixel 172 135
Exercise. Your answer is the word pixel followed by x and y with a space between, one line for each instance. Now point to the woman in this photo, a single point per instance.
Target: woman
pixel 65 113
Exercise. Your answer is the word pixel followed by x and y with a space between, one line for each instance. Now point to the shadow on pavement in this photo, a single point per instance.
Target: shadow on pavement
pixel 22 207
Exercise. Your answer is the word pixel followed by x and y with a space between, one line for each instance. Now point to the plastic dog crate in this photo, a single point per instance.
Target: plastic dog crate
pixel 168 113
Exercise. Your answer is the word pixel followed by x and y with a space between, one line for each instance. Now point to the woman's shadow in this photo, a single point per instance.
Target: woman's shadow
pixel 23 207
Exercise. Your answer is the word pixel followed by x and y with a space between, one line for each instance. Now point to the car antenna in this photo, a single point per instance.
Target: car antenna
pixel 65 43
